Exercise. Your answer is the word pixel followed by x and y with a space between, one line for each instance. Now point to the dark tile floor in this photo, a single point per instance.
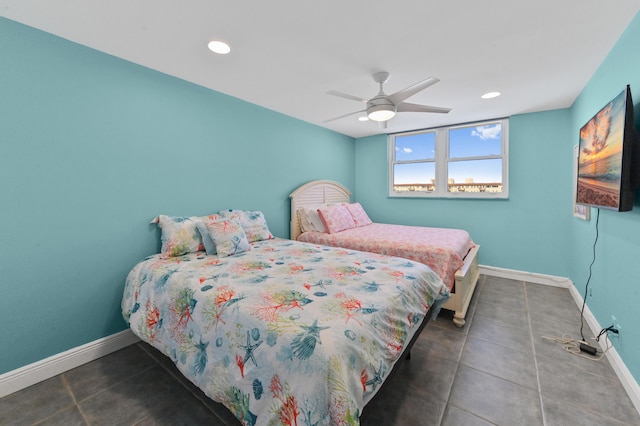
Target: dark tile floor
pixel 498 369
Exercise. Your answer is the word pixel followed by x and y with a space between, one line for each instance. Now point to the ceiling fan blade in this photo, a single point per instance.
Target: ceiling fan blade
pixel 343 116
pixel 346 96
pixel 407 107
pixel 403 94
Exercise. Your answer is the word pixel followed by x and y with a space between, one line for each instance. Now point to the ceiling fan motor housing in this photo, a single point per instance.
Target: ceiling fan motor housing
pixel 380 108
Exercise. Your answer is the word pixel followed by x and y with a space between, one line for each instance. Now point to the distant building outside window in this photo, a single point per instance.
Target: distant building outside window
pixel 465 161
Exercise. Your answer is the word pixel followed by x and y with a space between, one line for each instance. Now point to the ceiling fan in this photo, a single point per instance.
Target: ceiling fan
pixel 382 108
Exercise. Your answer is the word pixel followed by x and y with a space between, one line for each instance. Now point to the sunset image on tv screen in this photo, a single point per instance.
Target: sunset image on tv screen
pixel 600 157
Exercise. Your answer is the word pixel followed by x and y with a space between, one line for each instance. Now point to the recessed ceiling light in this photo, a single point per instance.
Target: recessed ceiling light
pixel 490 95
pixel 219 47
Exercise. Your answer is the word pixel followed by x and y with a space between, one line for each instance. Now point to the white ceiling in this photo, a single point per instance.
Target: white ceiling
pixel 286 54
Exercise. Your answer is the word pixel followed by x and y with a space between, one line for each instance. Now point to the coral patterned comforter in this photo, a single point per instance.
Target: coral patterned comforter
pixel 286 333
pixel 442 249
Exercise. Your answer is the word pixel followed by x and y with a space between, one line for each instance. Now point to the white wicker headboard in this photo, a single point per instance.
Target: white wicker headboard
pixel 312 195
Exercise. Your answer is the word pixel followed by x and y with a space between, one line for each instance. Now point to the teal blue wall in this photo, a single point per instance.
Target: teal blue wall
pixel 524 232
pixel 91 149
pixel 616 282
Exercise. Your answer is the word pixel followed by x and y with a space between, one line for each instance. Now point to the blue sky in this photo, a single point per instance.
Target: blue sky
pixel 477 141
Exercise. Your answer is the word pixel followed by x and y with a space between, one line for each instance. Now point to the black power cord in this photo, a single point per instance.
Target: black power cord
pixel 586 287
pixel 611 329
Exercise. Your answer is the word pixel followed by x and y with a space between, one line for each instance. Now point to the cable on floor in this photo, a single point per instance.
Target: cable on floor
pixel 572 345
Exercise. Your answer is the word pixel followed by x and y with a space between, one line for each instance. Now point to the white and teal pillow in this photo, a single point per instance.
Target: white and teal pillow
pixel 179 235
pixel 228 236
pixel 253 223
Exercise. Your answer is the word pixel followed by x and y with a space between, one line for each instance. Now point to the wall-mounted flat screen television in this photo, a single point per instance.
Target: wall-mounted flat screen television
pixel 608 159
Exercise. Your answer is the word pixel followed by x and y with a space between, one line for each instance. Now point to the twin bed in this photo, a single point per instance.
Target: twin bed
pixel 279 331
pixel 449 252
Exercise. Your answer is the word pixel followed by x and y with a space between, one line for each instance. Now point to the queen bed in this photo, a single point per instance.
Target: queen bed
pixel 279 331
pixel 449 252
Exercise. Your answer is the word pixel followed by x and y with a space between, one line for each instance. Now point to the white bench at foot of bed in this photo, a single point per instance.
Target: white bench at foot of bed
pixel 466 279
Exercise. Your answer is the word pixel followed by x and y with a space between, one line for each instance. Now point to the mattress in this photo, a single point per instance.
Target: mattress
pixel 286 333
pixel 442 249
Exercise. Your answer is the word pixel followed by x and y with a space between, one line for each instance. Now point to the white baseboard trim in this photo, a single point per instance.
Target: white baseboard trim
pixel 628 381
pixel 525 276
pixel 31 374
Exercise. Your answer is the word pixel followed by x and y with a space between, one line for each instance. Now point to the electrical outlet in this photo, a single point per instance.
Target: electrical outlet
pixel 616 325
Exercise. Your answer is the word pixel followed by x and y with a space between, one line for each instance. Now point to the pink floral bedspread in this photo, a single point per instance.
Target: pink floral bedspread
pixel 442 249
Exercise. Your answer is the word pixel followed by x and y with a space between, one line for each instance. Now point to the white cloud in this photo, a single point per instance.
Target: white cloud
pixel 487 132
pixel 407 150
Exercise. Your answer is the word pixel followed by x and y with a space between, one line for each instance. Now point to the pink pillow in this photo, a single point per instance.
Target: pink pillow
pixel 336 218
pixel 360 217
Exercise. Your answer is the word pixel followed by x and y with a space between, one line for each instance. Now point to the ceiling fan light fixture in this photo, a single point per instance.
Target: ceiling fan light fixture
pixel 381 112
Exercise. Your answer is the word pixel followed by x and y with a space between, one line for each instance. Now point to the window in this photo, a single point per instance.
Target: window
pixel 466 161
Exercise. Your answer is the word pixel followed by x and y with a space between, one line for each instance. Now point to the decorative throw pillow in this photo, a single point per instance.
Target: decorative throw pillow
pixel 336 218
pixel 228 236
pixel 253 223
pixel 209 245
pixel 314 221
pixel 301 214
pixel 360 217
pixel 179 235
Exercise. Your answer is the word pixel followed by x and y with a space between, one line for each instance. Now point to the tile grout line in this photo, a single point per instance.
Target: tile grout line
pixel 74 403
pixel 533 353
pixel 73 397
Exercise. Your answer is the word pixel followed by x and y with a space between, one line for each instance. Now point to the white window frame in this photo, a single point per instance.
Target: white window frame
pixel 442 160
